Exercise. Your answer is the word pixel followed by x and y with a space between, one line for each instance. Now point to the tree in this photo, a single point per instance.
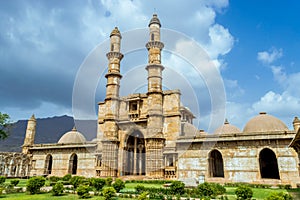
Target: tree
pixel 4 122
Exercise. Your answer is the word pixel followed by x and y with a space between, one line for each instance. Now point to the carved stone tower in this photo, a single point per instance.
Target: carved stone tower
pixel 154 138
pixel 110 140
pixel 30 134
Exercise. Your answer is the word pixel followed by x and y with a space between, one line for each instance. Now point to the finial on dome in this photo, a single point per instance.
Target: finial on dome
pixel 74 128
pixel 226 121
pixel 154 20
pixel 116 32
pixel 262 113
pixel 32 117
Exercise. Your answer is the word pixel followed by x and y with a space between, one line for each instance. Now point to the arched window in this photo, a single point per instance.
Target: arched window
pixel 268 164
pixel 73 164
pixel 48 164
pixel 215 161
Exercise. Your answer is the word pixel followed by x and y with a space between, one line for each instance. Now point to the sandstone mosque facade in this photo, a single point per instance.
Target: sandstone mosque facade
pixel 152 136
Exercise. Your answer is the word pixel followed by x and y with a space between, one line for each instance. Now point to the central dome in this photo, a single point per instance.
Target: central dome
pixel 72 137
pixel 264 123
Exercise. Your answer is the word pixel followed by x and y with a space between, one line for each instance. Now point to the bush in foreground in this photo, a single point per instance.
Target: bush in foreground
pixel 244 192
pixel 177 187
pixel 279 196
pixel 83 191
pixel 118 185
pixel 14 182
pixel 97 183
pixel 2 179
pixel 76 181
pixel 34 184
pixel 211 189
pixel 58 189
pixel 109 193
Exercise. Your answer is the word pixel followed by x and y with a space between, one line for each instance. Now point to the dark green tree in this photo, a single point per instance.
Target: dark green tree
pixel 4 123
pixel 118 185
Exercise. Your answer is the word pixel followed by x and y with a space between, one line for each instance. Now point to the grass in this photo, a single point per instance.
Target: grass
pixel 258 193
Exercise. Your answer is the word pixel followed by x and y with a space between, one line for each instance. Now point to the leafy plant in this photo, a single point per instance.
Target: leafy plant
pixel 143 196
pixel 177 187
pixel 58 189
pixel 83 191
pixel 118 185
pixel 15 182
pixel 108 181
pixel 109 193
pixel 279 196
pixel 2 179
pixel 76 181
pixel 34 184
pixel 67 177
pixel 139 188
pixel 244 192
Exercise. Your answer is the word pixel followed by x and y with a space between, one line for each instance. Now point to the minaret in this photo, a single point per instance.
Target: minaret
pixel 155 139
pixel 30 134
pixel 110 140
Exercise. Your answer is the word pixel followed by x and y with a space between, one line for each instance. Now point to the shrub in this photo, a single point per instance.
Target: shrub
pixel 218 189
pixel 76 181
pixel 2 179
pixel 83 191
pixel 14 182
pixel 58 189
pixel 279 196
pixel 108 181
pixel 177 187
pixel 34 184
pixel 244 192
pixel 143 196
pixel 140 188
pixel 109 193
pixel 67 177
pixel 205 189
pixel 97 183
pixel 54 178
pixel 118 185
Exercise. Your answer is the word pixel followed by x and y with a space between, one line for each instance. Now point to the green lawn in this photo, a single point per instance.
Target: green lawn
pixel 258 193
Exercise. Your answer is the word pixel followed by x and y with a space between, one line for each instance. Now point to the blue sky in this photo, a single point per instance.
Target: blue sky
pixel 253 44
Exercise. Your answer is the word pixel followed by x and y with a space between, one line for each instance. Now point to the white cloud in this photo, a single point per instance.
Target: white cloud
pixel 268 57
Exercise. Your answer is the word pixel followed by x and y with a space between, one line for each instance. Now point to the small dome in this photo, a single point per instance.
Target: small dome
pixel 115 32
pixel 72 137
pixel 227 128
pixel 155 20
pixel 264 123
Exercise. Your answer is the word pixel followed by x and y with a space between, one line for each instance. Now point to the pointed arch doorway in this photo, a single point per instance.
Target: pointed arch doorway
pixel 134 154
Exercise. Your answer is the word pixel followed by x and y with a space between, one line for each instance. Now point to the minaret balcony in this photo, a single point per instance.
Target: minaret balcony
pixel 114 54
pixel 155 44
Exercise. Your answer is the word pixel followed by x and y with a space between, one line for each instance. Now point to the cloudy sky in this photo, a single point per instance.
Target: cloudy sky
pixel 254 45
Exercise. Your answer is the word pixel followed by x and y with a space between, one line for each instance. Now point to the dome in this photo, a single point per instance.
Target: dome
pixel 227 128
pixel 264 123
pixel 72 137
pixel 155 20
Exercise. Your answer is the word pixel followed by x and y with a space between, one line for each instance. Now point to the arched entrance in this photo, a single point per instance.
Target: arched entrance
pixel 73 164
pixel 216 167
pixel 268 164
pixel 48 164
pixel 134 154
